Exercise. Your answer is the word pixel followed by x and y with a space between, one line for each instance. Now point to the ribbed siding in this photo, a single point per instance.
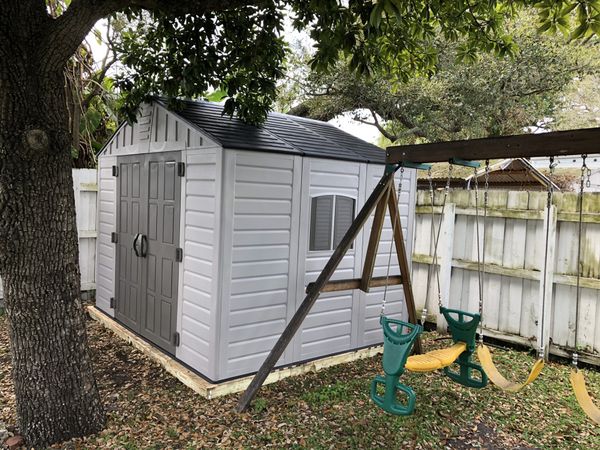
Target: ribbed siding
pixel 198 296
pixel 328 328
pixel 260 259
pixel 105 250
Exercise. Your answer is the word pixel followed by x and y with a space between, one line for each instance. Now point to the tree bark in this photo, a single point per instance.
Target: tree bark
pixel 56 393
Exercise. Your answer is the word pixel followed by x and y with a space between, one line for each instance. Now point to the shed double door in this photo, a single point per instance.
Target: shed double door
pixel 148 193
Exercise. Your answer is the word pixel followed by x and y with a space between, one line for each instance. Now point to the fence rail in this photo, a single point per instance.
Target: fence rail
pixel 86 191
pixel 515 235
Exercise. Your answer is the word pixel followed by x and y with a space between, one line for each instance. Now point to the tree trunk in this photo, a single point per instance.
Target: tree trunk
pixel 55 389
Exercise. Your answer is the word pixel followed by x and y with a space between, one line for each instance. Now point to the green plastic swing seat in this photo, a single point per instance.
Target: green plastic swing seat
pixel 398 341
pixel 463 328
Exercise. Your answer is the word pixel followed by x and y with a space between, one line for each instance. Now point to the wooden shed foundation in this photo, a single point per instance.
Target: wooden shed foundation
pixel 210 390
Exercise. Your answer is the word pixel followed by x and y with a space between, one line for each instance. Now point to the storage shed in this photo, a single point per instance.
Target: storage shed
pixel 211 229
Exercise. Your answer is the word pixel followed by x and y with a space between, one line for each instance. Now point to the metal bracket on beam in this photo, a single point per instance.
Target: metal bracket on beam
pixel 418 166
pixel 389 168
pixel 464 162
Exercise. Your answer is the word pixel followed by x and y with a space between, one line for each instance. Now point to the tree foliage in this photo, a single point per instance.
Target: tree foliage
pixel 489 95
pixel 241 50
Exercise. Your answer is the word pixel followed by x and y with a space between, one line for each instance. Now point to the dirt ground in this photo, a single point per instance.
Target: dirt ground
pixel 149 409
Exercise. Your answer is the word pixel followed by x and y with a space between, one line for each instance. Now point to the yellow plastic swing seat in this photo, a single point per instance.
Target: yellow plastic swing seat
pixel 485 359
pixel 436 359
pixel 583 398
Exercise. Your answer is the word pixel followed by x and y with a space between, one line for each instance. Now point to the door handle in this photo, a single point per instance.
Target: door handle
pixel 144 246
pixel 135 249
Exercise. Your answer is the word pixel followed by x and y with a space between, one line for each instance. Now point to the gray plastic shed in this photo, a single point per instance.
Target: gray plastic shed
pixel 210 230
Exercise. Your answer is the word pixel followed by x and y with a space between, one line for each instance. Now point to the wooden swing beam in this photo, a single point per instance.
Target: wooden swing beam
pixel 555 143
pixel 384 198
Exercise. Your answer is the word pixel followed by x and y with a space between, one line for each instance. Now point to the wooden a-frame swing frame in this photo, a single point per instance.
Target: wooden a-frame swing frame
pixel 384 197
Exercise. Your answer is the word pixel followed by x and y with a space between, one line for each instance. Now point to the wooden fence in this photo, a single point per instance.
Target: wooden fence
pixel 515 236
pixel 85 186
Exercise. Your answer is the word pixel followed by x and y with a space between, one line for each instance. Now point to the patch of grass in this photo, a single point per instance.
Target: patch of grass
pixel 333 393
pixel 260 404
pixel 172 433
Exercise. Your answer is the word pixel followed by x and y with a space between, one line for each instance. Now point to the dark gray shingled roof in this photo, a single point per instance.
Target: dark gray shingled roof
pixel 281 133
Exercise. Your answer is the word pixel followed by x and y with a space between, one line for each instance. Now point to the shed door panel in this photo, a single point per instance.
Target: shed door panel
pixel 160 307
pixel 129 267
pixel 149 194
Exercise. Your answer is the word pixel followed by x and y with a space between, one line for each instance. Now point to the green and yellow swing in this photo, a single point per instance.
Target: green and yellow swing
pixel 577 379
pixel 399 336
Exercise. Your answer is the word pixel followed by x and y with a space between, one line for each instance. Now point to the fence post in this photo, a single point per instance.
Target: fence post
pixel 445 250
pixel 546 290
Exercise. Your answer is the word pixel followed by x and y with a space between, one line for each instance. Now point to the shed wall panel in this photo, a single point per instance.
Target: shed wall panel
pixel 259 255
pixel 105 249
pixel 200 231
pixel 328 328
pixel 156 130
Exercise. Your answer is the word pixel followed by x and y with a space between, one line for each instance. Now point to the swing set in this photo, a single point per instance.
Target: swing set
pixel 401 338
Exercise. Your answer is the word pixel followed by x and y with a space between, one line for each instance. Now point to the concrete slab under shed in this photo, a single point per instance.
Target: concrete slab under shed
pixel 211 390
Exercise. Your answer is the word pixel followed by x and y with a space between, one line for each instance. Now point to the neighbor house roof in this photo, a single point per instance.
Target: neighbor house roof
pixel 511 172
pixel 281 133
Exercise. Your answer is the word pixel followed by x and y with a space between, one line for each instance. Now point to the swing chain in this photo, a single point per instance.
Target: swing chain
pixel 387 276
pixel 486 187
pixel 478 239
pixel 437 237
pixel 431 267
pixel 552 165
pixel 584 172
pixel 485 207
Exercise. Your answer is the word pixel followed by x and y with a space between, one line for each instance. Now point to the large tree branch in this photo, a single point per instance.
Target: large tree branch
pixel 97 81
pixel 69 30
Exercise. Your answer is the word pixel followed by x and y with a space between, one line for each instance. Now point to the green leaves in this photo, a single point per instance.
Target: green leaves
pixel 468 92
pixel 241 51
pixel 576 19
pixel 238 52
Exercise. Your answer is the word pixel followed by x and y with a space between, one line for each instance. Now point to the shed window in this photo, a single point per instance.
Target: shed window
pixel 330 218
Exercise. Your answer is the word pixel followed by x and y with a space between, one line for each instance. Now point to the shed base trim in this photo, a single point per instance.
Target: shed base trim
pixel 212 390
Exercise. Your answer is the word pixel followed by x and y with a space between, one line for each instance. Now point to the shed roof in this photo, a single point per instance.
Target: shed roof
pixel 281 133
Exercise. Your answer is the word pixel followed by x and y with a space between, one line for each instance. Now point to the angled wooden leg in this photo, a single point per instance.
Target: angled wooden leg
pixel 374 239
pixel 403 263
pixel 296 322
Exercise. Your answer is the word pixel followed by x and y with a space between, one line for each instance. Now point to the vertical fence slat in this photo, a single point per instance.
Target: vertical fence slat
pixel 515 249
pixel 445 249
pixel 546 273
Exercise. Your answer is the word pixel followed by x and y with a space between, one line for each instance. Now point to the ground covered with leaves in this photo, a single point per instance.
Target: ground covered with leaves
pixel 149 409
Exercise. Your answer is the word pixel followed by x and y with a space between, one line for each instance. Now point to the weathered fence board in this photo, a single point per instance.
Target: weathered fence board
pixel 514 255
pixel 85 187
